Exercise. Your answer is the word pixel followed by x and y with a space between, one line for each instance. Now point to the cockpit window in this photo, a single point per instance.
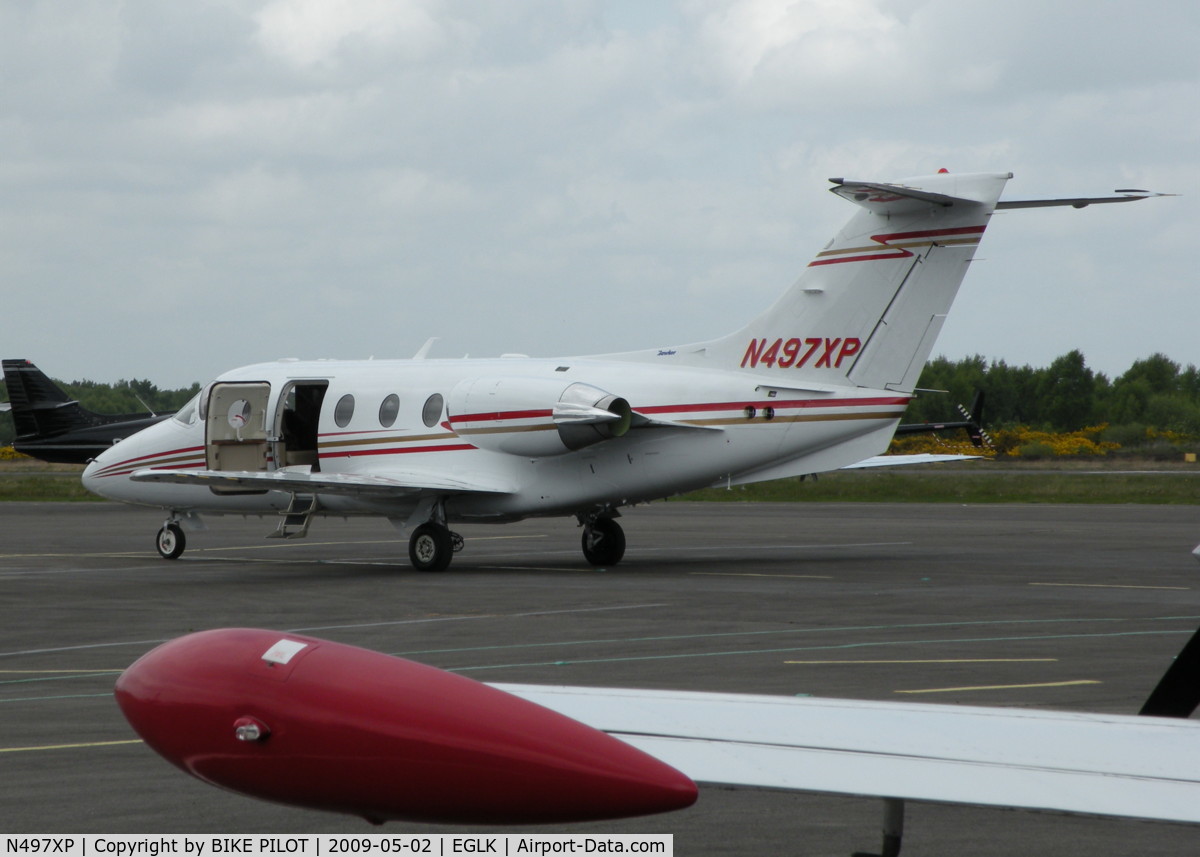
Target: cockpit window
pixel 187 414
pixel 202 406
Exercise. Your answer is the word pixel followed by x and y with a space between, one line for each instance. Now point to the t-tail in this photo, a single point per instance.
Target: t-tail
pixel 52 426
pixel 867 310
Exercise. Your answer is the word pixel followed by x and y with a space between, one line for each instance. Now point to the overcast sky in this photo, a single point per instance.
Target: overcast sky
pixel 187 187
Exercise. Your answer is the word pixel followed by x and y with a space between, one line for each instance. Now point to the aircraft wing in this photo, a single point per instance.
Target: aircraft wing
pixel 394 483
pixel 898 460
pixel 1078 763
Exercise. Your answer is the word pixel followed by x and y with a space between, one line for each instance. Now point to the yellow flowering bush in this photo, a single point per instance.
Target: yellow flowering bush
pixel 1022 441
pixel 7 453
pixel 1014 442
pixel 938 444
pixel 1175 437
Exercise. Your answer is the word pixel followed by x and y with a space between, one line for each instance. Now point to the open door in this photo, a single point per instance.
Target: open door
pixel 235 427
pixel 297 417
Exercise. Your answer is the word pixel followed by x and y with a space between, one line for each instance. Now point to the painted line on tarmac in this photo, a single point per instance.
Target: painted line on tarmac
pixel 1074 683
pixel 1112 586
pixel 940 661
pixel 60 696
pixel 521 614
pixel 745 548
pixel 786 631
pixel 293 544
pixel 124 555
pixel 833 647
pixel 577 568
pixel 60 675
pixel 758 574
pixel 44 672
pixel 71 746
pixel 918 625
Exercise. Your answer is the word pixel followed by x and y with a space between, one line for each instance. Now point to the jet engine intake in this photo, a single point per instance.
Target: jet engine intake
pixel 536 416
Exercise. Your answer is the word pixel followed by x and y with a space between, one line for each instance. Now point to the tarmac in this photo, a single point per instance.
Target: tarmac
pixel 1060 607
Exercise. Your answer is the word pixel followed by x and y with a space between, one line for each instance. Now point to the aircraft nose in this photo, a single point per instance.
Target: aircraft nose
pixel 98 476
pixel 90 479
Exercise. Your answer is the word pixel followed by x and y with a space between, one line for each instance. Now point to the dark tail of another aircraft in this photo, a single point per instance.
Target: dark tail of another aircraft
pixel 972 423
pixel 54 427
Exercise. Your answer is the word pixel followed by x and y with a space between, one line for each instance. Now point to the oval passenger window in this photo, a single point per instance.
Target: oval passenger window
pixel 344 411
pixel 388 410
pixel 432 411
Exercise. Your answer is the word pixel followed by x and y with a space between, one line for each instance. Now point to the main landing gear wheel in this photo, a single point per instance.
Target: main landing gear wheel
pixel 170 541
pixel 431 547
pixel 603 542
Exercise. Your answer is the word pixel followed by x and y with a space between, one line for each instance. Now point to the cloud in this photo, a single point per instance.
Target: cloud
pixel 315 33
pixel 631 172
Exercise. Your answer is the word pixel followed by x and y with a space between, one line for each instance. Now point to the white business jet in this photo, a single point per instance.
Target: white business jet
pixel 817 382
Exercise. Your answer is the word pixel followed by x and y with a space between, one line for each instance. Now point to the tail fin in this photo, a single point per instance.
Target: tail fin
pixel 40 408
pixel 974 420
pixel 52 426
pixel 867 310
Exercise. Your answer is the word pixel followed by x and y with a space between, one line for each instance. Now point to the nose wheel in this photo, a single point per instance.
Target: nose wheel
pixel 170 541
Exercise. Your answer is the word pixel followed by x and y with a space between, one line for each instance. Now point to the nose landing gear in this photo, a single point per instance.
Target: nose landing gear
pixel 170 540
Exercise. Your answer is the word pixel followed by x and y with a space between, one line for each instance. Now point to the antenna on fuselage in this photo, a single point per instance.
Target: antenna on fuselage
pixel 424 349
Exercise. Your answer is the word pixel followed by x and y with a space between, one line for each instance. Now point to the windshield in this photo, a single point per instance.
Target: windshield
pixel 187 414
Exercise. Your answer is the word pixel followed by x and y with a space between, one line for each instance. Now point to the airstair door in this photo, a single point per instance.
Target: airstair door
pixel 236 426
pixel 297 420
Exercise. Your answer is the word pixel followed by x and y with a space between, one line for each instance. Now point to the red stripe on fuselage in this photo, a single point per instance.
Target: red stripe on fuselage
pixel 450 447
pixel 130 464
pixel 497 416
pixel 199 465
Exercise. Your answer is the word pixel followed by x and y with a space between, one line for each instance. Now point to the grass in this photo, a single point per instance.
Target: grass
pixel 975 482
pixel 984 485
pixel 40 488
pixel 30 481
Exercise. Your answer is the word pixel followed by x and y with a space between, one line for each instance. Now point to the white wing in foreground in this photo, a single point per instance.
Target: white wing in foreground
pixel 1082 763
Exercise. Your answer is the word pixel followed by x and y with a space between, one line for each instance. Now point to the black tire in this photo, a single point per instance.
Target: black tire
pixel 603 542
pixel 430 548
pixel 170 541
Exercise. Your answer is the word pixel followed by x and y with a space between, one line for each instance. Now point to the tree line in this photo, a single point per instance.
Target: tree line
pixel 1154 393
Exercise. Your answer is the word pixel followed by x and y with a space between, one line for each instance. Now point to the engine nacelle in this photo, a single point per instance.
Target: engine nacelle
pixel 535 416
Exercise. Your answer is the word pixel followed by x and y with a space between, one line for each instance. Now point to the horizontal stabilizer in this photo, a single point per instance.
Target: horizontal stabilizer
pixel 1126 195
pixel 887 198
pixel 395 483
